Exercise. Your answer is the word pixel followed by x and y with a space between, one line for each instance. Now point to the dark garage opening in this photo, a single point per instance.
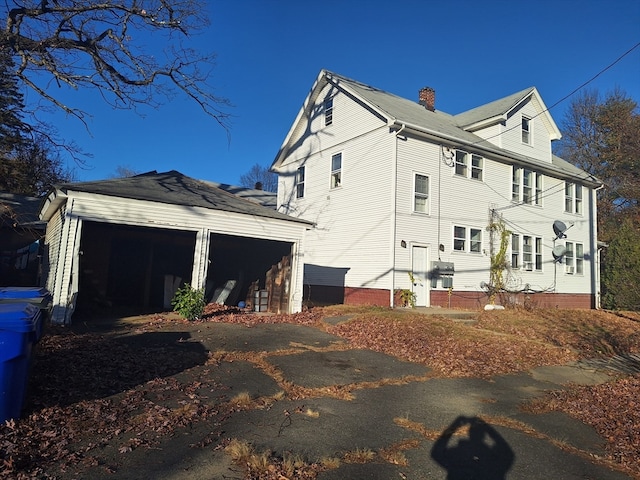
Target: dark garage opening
pixel 124 267
pixel 242 259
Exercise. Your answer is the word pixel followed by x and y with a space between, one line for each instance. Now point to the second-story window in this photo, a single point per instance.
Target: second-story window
pixel 526 186
pixel 461 163
pixel 526 130
pixel 573 198
pixel 421 194
pixel 469 165
pixel 300 182
pixel 328 111
pixel 336 170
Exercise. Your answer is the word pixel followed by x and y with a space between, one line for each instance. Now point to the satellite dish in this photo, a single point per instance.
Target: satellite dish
pixel 558 252
pixel 559 228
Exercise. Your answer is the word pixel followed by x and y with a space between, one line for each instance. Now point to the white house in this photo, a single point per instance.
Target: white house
pixel 130 242
pixel 402 197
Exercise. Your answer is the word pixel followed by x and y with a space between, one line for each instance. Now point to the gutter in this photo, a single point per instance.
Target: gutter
pixel 494 154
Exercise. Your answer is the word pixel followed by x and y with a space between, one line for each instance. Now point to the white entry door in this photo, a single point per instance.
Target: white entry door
pixel 420 275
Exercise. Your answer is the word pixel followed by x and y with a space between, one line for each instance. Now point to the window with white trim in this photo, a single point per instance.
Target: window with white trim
pixel 526 130
pixel 515 250
pixel 469 165
pixel 461 163
pixel 336 170
pixel 421 193
pixel 574 258
pixel 526 252
pixel 328 111
pixel 573 198
pixel 300 182
pixel 526 186
pixel 463 243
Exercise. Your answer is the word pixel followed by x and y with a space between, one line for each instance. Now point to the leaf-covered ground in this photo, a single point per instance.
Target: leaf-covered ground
pixel 94 394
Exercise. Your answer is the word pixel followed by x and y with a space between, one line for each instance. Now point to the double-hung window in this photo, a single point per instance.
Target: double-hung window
pixel 336 170
pixel 469 165
pixel 573 198
pixel 527 252
pixel 515 250
pixel 463 243
pixel 421 194
pixel 328 111
pixel 526 130
pixel 461 163
pixel 574 258
pixel 300 182
pixel 526 186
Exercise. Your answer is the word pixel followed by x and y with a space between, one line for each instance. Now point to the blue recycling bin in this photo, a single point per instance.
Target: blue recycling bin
pixel 19 327
pixel 38 296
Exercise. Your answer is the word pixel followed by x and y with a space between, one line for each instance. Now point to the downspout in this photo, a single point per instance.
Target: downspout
pixel 595 248
pixel 394 223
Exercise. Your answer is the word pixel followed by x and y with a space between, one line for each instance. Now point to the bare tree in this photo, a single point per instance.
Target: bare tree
pixel 101 45
pixel 260 178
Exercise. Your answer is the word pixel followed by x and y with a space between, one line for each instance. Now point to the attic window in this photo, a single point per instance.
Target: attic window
pixel 328 111
pixel 300 182
pixel 526 130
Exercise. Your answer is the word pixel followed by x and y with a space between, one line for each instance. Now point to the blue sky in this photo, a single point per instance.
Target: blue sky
pixel 269 53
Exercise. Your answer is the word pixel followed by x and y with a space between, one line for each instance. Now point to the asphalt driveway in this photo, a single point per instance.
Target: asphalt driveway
pixel 341 402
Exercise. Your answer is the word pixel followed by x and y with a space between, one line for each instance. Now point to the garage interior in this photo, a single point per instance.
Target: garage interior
pixel 127 268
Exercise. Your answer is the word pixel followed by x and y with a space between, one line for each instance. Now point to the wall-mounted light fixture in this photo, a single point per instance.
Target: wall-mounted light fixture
pixel 403 244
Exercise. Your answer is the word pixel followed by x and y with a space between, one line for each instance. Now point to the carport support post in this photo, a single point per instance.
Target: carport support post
pixel 200 259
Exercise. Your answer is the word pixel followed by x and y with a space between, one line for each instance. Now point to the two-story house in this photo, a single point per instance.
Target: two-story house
pixel 452 207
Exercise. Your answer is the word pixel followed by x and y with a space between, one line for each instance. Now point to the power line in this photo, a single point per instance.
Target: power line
pixel 568 95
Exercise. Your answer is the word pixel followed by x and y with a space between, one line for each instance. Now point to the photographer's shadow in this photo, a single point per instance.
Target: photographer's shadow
pixel 481 455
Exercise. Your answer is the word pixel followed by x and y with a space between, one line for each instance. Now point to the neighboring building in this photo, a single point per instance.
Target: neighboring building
pixel 130 242
pixel 402 196
pixel 20 234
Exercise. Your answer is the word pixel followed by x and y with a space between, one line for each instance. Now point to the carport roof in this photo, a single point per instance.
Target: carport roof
pixel 174 188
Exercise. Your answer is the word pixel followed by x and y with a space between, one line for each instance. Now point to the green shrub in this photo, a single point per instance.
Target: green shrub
pixel 189 302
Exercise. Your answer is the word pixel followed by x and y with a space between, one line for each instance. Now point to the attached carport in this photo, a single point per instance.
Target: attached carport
pixel 130 242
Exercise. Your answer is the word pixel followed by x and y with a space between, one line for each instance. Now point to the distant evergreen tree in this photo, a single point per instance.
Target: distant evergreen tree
pixel 621 269
pixel 12 127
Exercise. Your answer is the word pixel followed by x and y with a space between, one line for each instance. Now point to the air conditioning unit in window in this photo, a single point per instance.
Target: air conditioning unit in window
pixel 528 266
pixel 568 270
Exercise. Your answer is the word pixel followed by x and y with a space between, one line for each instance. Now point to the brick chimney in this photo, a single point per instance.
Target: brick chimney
pixel 427 98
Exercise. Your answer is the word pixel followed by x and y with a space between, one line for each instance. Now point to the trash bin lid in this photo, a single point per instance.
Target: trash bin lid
pixel 19 317
pixel 23 292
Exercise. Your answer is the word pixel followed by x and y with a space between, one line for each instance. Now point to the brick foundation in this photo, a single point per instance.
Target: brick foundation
pixel 326 295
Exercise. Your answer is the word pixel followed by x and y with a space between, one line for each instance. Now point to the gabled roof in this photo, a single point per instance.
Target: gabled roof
pixel 451 130
pixel 20 210
pixel 171 188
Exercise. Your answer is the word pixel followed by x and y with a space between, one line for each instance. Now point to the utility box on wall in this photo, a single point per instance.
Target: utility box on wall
pixel 443 271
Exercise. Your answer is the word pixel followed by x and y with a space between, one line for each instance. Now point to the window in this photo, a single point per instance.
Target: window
pixel 300 182
pixel 527 252
pixel 476 240
pixel 515 250
pixel 476 167
pixel 328 111
pixel 574 258
pixel 526 130
pixel 515 184
pixel 336 170
pixel 460 239
pixel 573 198
pixel 526 186
pixel 464 169
pixel 461 163
pixel 421 194
pixel 530 249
